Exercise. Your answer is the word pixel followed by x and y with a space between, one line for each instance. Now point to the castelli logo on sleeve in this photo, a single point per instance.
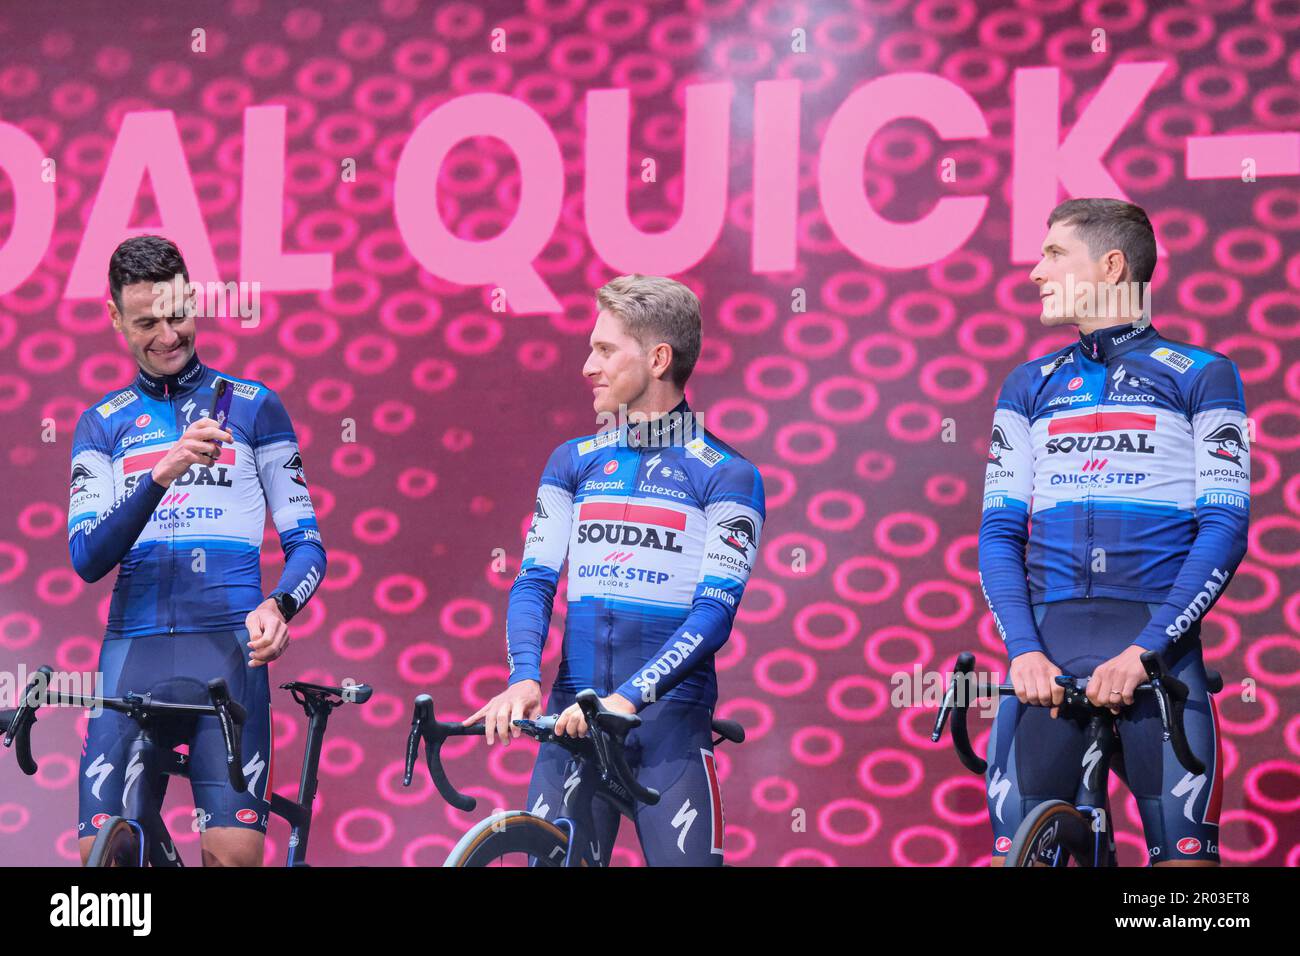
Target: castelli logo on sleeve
pixel 1075 383
pixel 1189 845
pixel 143 420
pixel 1003 844
pixel 246 816
pixel 98 820
pixel 611 466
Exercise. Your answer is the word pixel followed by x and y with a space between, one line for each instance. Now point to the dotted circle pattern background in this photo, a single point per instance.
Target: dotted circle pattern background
pixel 842 407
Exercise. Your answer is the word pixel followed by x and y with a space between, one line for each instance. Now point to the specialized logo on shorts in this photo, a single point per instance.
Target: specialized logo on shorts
pixel 1189 845
pixel 682 821
pixel 999 787
pixel 1002 844
pixel 246 816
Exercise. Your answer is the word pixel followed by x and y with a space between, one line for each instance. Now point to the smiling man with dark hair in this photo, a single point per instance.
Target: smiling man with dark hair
pixel 177 501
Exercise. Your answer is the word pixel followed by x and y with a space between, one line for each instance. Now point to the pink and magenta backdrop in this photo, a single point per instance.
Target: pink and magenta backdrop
pixel 840 345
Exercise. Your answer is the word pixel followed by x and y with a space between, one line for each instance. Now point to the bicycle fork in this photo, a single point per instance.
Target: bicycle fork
pixel 1092 799
pixel 143 790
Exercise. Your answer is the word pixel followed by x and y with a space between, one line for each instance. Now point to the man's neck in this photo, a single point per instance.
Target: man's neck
pixel 658 405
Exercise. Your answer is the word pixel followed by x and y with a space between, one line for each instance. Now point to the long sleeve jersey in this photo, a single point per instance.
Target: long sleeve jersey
pixel 1123 463
pixel 188 555
pixel 661 531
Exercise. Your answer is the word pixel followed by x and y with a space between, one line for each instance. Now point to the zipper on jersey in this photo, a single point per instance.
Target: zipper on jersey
pixel 171 581
pixel 609 619
pixel 1096 424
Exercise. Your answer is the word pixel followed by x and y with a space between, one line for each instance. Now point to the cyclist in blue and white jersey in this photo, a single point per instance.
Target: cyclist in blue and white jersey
pixel 660 523
pixel 1122 462
pixel 178 505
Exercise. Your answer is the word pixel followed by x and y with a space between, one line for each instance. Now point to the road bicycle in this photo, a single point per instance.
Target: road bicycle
pixel 137 836
pixel 1059 832
pixel 518 836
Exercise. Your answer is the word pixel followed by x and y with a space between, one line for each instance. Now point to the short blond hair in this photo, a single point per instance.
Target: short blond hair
pixel 655 309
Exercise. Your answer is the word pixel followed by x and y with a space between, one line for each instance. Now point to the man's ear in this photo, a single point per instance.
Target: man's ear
pixel 1112 258
pixel 115 315
pixel 662 352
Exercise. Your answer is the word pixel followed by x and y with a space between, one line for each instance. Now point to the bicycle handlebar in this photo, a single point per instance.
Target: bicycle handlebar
pixel 1170 692
pixel 230 716
pixel 605 743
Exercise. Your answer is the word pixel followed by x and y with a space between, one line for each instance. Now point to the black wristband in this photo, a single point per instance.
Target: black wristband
pixel 287 605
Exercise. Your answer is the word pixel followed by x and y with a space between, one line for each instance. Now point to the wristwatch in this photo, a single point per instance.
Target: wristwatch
pixel 286 603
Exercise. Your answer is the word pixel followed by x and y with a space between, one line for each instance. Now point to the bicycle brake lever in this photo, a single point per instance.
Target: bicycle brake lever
pixel 609 731
pixel 20 728
pixel 230 717
pixel 434 733
pixel 422 705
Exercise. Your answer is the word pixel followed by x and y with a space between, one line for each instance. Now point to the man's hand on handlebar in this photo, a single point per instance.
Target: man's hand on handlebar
pixel 1112 682
pixel 518 701
pixel 573 724
pixel 1033 676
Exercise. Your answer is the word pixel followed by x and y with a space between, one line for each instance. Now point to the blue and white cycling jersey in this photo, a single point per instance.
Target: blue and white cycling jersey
pixel 661 532
pixel 189 553
pixel 1130 454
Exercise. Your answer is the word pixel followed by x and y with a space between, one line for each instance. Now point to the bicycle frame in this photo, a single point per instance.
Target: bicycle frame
pixel 590 787
pixel 150 761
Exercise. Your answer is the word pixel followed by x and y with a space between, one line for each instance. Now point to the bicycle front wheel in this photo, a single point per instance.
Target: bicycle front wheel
pixel 516 838
pixel 1054 834
pixel 116 844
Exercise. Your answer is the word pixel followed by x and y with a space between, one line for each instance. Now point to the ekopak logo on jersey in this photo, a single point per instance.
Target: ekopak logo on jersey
pixel 154 435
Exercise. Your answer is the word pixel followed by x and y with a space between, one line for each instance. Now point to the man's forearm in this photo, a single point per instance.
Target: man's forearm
pixel 99 543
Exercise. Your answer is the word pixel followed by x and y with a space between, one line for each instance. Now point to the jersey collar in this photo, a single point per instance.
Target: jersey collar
pixel 673 428
pixel 170 386
pixel 1104 344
